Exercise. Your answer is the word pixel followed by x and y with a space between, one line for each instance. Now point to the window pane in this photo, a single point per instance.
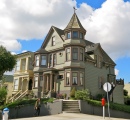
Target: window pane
pixel 81 78
pixel 18 65
pixel 53 41
pixel 81 35
pixel 54 59
pixel 67 78
pixel 37 60
pixel 75 53
pixel 50 62
pixel 16 84
pixel 68 54
pixel 68 35
pixel 81 54
pixel 75 34
pixel 74 77
pixel 43 61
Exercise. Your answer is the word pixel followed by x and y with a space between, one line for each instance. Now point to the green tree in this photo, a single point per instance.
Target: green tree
pixel 3 93
pixel 7 61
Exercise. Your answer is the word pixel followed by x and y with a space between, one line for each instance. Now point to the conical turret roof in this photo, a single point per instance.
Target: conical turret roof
pixel 74 23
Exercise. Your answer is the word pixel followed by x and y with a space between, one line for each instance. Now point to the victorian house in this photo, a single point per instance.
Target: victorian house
pixel 66 60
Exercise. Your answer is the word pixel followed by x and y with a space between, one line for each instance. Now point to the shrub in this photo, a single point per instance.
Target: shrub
pixel 125 92
pixel 99 97
pixel 72 93
pixel 82 94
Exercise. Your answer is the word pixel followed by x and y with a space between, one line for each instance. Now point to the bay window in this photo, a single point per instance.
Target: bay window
pixel 68 35
pixel 54 59
pixel 67 78
pixel 37 60
pixel 75 53
pixel 81 54
pixel 75 34
pixel 43 60
pixel 74 78
pixel 81 78
pixel 67 54
pixel 50 60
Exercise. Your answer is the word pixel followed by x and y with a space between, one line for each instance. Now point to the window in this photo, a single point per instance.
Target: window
pixel 36 81
pixel 74 78
pixel 67 54
pixel 81 78
pixel 16 84
pixel 75 34
pixel 23 62
pixel 37 60
pixel 81 54
pixel 50 62
pixel 53 41
pixel 18 65
pixel 54 59
pixel 67 78
pixel 81 35
pixel 43 60
pixel 68 35
pixel 75 53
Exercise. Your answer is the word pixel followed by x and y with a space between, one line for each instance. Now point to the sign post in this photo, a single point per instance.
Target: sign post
pixel 107 88
pixel 103 104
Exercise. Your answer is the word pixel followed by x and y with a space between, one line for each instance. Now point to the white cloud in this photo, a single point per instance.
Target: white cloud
pixel 27 19
pixel 24 51
pixel 116 72
pixel 9 72
pixel 109 25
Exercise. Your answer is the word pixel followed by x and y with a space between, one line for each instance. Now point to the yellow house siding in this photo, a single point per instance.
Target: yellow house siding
pixel 127 87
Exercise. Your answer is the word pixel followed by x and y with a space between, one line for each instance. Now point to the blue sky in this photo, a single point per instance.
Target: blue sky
pixel 25 27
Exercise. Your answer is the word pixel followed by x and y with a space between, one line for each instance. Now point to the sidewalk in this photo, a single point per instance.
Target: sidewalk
pixel 70 116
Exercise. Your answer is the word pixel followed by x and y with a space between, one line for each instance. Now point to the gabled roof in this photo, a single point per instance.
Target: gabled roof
pixel 93 47
pixel 59 32
pixel 75 23
pixel 8 78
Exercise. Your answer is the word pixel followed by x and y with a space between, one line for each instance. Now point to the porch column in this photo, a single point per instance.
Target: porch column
pixel 51 75
pixel 47 85
pixel 26 65
pixel 55 83
pixel 43 86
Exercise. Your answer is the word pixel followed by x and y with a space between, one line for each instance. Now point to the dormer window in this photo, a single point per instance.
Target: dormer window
pixel 75 34
pixel 53 41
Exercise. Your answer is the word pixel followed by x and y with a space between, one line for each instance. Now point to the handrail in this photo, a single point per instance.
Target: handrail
pixel 11 99
pixel 22 94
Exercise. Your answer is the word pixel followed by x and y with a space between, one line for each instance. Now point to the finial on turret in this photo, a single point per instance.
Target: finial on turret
pixel 74 9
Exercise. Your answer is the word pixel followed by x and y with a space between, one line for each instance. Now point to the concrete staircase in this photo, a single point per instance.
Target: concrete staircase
pixel 70 106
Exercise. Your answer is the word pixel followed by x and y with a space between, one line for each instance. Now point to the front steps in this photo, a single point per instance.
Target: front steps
pixel 70 106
